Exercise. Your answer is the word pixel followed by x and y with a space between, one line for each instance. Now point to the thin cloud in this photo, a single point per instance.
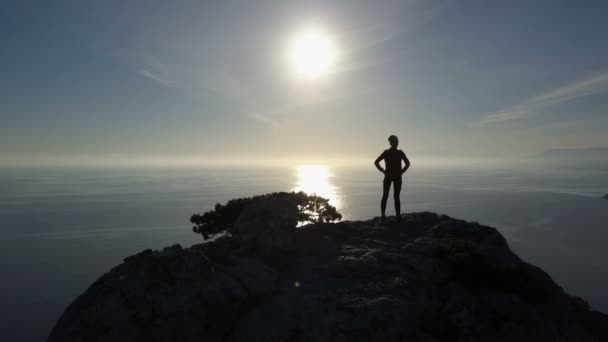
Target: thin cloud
pixel 593 85
pixel 263 119
pixel 149 75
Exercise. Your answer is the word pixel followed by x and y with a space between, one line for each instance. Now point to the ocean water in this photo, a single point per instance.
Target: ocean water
pixel 60 229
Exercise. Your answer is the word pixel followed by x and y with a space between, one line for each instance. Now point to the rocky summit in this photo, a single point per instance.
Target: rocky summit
pixel 426 277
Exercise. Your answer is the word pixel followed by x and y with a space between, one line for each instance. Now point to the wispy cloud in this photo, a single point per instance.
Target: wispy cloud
pixel 264 118
pixel 592 85
pixel 152 76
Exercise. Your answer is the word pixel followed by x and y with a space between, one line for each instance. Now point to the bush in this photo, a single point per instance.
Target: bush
pixel 311 209
pixel 460 252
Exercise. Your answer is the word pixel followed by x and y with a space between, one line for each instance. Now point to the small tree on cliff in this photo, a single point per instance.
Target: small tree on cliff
pixel 311 209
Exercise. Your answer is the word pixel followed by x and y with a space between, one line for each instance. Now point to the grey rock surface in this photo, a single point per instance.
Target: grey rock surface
pixel 425 278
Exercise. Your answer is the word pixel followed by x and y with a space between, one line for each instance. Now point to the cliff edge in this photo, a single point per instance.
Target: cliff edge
pixel 427 277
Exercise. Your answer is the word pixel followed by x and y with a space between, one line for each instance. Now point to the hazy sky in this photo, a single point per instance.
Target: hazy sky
pixel 92 79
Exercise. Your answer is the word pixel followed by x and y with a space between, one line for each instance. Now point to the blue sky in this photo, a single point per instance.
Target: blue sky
pixel 483 79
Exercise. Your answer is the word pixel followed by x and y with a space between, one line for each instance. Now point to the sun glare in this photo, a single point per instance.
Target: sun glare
pixel 312 54
pixel 317 179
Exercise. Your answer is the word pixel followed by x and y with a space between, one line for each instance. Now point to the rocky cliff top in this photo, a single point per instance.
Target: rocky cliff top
pixel 427 277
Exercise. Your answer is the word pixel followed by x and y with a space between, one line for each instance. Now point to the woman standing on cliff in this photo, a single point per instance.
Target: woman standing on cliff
pixel 392 174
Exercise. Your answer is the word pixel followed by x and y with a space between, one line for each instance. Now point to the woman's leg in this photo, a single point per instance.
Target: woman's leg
pixel 396 193
pixel 386 186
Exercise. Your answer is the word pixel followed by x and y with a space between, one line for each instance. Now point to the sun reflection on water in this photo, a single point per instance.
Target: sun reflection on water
pixel 317 179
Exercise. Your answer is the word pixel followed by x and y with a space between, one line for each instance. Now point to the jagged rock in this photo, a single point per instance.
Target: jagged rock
pixel 173 248
pixel 173 295
pixel 426 278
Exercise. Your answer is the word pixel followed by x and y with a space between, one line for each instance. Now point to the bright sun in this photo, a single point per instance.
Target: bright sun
pixel 312 54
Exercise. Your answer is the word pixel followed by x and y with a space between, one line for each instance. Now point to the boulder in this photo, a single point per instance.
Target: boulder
pixel 425 278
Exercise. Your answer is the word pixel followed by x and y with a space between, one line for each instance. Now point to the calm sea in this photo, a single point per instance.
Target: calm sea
pixel 60 229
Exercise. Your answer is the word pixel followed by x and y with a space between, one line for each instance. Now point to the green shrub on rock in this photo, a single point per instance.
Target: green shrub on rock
pixel 459 251
pixel 311 209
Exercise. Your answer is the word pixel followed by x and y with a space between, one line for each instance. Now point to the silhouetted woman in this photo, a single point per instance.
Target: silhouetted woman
pixel 392 174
